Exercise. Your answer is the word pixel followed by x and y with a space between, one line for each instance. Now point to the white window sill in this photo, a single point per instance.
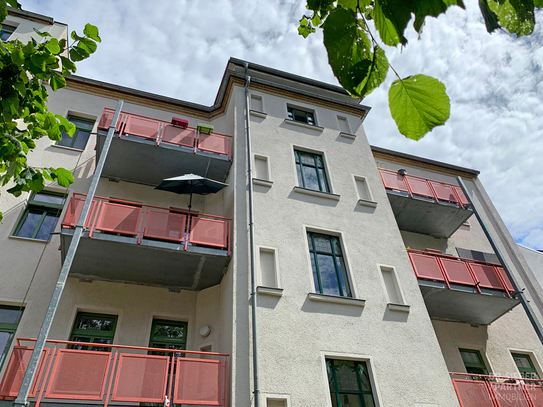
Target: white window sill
pixel 275 292
pixel 28 239
pixel 67 148
pixel 370 204
pixel 256 113
pixel 319 194
pixel 305 125
pixel 262 182
pixel 399 307
pixel 348 135
pixel 336 299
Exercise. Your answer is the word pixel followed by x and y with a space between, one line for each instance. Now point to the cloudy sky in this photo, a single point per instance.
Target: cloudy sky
pixel 180 49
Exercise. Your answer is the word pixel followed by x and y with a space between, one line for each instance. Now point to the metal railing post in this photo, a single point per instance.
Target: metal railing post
pixel 22 397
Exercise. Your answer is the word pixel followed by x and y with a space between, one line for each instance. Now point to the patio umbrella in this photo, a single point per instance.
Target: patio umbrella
pixel 191 184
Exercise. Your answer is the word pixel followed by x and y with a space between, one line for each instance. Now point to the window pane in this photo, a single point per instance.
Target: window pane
pixel 96 323
pixel 364 376
pixel 299 172
pixel 308 159
pixel 334 399
pixel 47 227
pixel 322 243
pixel 368 400
pixel 346 375
pixel 343 277
pixel 169 331
pixel 80 339
pixel 470 357
pixel 9 316
pixel 324 181
pixel 315 276
pixel 522 361
pixel 48 198
pixel 311 180
pixel 328 275
pixel 66 140
pixel 30 223
pixel 81 137
pixel 5 339
pixel 350 400
pixel 101 348
pixel 299 115
pixel 81 123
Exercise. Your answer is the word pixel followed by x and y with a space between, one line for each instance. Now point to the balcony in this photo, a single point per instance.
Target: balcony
pixel 142 143
pixel 130 242
pixel 497 391
pixel 118 374
pixel 462 290
pixel 425 206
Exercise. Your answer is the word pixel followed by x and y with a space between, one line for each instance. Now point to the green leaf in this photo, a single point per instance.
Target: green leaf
pixel 349 49
pixel 63 177
pixel 538 3
pixel 92 32
pixel 57 81
pixel 349 4
pixel 378 71
pixel 432 8
pixel 88 45
pixel 66 125
pixel 305 27
pixel 391 18
pixel 491 19
pixel 53 46
pixel 316 20
pixel 318 5
pixel 418 104
pixel 3 11
pixel 516 16
pixel 67 64
pixel 18 56
pixel 42 34
pixel 78 54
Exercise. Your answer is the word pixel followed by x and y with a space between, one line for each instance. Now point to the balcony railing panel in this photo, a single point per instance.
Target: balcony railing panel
pixel 449 269
pixel 120 374
pixel 142 127
pixel 151 222
pixel 179 136
pixel 496 391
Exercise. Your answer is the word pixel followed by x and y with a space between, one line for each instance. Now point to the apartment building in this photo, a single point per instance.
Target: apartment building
pixel 374 282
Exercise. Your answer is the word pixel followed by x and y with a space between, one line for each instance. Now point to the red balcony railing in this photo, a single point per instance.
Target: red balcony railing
pixel 426 188
pixel 119 374
pixel 449 269
pixel 150 222
pixel 161 131
pixel 497 391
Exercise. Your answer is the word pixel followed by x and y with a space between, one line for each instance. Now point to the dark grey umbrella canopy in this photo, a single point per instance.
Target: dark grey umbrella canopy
pixel 191 184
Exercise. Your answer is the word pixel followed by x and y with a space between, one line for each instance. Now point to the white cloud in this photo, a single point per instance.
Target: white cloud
pixel 180 49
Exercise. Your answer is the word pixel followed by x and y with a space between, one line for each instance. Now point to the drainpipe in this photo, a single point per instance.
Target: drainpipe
pixel 61 282
pixel 256 386
pixel 520 294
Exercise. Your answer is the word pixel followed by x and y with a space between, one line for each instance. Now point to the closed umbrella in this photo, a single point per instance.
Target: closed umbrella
pixel 191 184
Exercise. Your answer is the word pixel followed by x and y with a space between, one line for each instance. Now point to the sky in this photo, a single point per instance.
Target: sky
pixel 180 49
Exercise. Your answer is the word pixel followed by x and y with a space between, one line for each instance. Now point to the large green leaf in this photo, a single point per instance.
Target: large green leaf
pixel 378 71
pixel 491 19
pixel 92 32
pixel 3 11
pixel 391 18
pixel 418 104
pixel 516 16
pixel 63 177
pixel 433 8
pixel 57 81
pixel 52 46
pixel 538 3
pixel 349 50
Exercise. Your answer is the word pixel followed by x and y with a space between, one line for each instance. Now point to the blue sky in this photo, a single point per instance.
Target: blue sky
pixel 495 82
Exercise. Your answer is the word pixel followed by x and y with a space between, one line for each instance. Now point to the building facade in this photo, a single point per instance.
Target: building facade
pixel 375 284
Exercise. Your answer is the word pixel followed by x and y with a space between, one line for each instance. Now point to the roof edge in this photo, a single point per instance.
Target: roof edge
pixel 32 16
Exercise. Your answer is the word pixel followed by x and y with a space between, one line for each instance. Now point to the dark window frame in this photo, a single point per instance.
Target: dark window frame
pixel 299 115
pixel 318 164
pixel 336 392
pixel 93 334
pixel 82 125
pixel 6 29
pixel 10 328
pixel 526 372
pixel 47 208
pixel 474 368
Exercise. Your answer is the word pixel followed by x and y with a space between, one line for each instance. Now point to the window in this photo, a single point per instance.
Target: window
pixel 93 328
pixel 329 272
pixel 83 128
pixel 9 319
pixel 473 361
pixel 525 366
pixel 311 172
pixel 349 383
pixel 6 31
pixel 40 216
pixel 168 335
pixel 299 115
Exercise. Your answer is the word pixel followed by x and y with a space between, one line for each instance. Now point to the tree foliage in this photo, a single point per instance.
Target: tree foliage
pixel 417 103
pixel 25 69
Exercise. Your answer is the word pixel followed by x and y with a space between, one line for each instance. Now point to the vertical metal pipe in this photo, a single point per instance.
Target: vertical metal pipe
pixel 22 397
pixel 256 385
pixel 520 294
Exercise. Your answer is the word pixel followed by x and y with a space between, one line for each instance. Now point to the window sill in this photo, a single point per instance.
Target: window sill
pixel 262 182
pixel 67 148
pixel 335 299
pixel 370 204
pixel 307 126
pixel 398 307
pixel 256 113
pixel 348 135
pixel 319 194
pixel 275 292
pixel 28 239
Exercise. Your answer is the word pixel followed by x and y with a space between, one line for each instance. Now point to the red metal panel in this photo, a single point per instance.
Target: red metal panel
pixel 472 393
pixel 179 136
pixel 79 375
pixel 106 119
pixel 502 273
pixel 118 218
pixel 510 395
pixel 394 181
pixel 139 126
pixel 15 371
pixel 426 267
pixel 214 143
pixel 141 378
pixel 209 232
pixel 165 225
pixel 444 192
pixel 457 271
pixel 536 394
pixel 461 195
pixel 198 381
pixel 487 276
pixel 73 212
pixel 420 187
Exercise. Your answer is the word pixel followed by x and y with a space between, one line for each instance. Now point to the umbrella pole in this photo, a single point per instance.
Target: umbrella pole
pixel 190 201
